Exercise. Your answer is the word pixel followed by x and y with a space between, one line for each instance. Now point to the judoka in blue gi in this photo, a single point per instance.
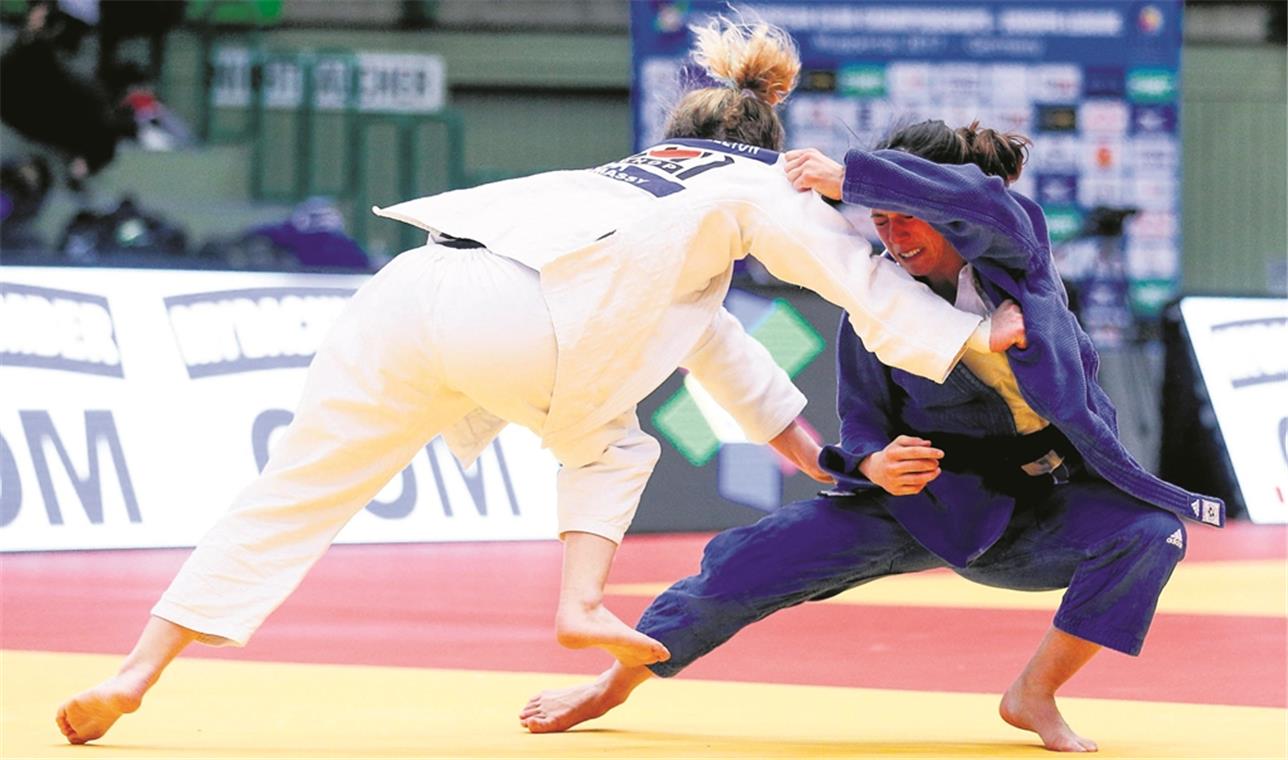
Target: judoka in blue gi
pixel 1010 473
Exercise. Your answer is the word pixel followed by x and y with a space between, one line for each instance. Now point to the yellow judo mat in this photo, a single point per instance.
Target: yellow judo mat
pixel 232 709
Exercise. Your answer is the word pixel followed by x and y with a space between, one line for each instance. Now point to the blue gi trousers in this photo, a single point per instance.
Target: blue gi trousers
pixel 1113 552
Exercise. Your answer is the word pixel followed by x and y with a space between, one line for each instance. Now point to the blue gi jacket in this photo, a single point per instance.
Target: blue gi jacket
pixel 1003 236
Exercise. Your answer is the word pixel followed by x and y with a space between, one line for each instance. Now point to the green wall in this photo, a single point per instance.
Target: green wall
pixel 529 101
pixel 1235 182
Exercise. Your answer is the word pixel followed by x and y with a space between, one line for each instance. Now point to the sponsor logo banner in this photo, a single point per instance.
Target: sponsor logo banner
pixel 1057 189
pixel 1153 119
pixel 1238 344
pixel 371 82
pixel 51 328
pixel 254 328
pixel 140 402
pixel 864 81
pixel 1152 259
pixel 1109 117
pixel 1155 155
pixel 1104 82
pixel 1151 85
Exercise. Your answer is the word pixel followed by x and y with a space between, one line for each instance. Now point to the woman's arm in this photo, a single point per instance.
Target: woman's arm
pixel 978 215
pixel 743 378
pixel 803 242
pixel 796 445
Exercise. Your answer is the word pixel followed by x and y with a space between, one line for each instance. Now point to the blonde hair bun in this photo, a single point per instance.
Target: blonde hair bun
pixel 756 57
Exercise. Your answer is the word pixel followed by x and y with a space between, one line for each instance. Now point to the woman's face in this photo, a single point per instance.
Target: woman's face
pixel 917 246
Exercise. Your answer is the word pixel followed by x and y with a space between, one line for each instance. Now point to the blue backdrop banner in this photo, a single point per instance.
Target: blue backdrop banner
pixel 1094 83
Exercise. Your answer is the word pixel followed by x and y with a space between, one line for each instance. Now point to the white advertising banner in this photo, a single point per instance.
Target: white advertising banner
pixel 136 403
pixel 1240 347
pixel 386 82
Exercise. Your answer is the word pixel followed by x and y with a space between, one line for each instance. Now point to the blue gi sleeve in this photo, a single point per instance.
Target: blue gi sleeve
pixel 979 216
pixel 865 406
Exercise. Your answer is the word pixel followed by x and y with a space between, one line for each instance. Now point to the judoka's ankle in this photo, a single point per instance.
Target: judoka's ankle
pixel 580 602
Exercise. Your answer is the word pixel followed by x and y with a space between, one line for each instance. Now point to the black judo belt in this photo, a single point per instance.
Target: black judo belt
pixel 1046 456
pixel 447 241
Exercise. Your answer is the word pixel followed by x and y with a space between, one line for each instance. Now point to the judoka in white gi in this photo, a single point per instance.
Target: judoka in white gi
pixel 556 302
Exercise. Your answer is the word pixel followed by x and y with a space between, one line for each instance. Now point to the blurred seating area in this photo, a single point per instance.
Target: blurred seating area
pixel 258 133
pixel 99 169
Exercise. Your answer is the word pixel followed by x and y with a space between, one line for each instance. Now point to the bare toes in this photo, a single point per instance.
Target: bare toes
pixel 66 728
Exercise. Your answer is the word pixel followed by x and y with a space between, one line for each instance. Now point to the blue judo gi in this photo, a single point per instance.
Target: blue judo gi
pixel 1098 525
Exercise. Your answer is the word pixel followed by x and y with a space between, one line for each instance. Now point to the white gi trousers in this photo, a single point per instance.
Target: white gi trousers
pixel 437 333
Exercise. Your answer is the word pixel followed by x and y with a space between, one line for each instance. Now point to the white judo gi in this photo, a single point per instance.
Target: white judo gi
pixel 590 287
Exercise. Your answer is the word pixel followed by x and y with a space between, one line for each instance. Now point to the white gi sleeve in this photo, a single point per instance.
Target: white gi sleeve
pixel 743 378
pixel 601 497
pixel 803 241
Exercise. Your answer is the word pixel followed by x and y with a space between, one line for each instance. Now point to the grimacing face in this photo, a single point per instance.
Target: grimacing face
pixel 917 246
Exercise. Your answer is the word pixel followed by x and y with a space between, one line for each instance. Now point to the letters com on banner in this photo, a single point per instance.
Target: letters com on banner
pixel 139 402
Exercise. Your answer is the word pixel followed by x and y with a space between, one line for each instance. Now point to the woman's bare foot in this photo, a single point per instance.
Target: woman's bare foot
pixel 561 709
pixel 578 626
pixel 1037 712
pixel 88 715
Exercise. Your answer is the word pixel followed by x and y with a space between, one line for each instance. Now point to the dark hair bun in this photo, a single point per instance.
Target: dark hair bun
pixel 1001 154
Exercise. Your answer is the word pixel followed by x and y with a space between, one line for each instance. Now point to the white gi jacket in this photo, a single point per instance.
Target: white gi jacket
pixel 636 257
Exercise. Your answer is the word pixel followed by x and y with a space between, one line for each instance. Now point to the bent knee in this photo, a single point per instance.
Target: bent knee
pixel 1155 524
pixel 1157 531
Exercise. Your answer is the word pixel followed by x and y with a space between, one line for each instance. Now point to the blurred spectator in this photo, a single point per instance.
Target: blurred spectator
pixel 315 235
pixel 156 127
pixel 313 238
pixel 24 185
pixel 128 229
pixel 45 100
pixel 67 21
pixel 150 19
